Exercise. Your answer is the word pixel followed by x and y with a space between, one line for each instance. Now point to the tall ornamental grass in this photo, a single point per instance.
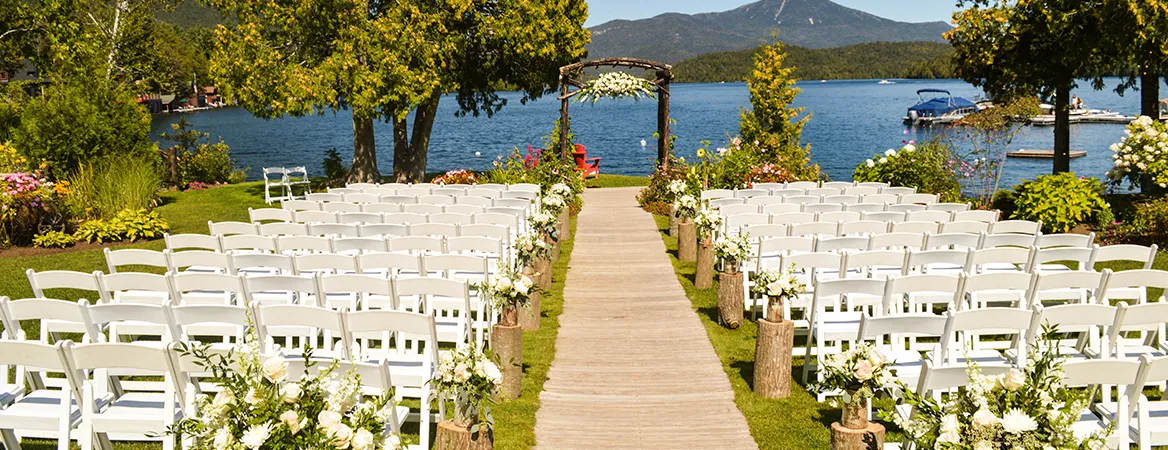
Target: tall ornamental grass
pixel 106 186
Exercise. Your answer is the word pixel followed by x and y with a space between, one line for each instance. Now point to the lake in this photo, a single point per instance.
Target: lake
pixel 850 121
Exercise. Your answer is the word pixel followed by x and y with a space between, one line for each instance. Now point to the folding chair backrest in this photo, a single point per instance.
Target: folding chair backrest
pixel 721 202
pixel 417 244
pixel 1016 226
pixel 333 229
pixel 229 228
pixel 863 227
pixel 475 245
pixel 788 192
pixel 62 279
pixel 714 194
pixel 773 247
pixel 405 218
pixel 457 267
pixel 325 197
pixel 960 241
pixel 283 229
pixel 921 199
pixel 926 260
pixel 747 193
pixel 436 200
pixel 936 378
pixel 480 197
pixel 819 208
pixel 842 199
pixel 735 222
pixel 874 208
pixel 510 203
pixel 294 245
pixel 247 243
pixel 1017 283
pixel 838 184
pixel 176 242
pixel 1066 240
pixel 134 257
pixel 822 229
pixel 372 292
pixel 949 207
pixel 362 198
pixel 976 216
pixel 1081 255
pixel 780 208
pixel 262 263
pixel 140 319
pixel 890 331
pixel 341 208
pixel 839 216
pixel 963 327
pixel 1008 240
pixel 359 245
pixel 874 263
pixel 881 198
pixel 227 322
pixel 1055 286
pixel 434 229
pixel 194 288
pixel 389 263
pixel 36 357
pixel 1131 253
pixel 382 208
pixel 915 227
pixel 733 210
pixel 929 216
pixel 383 230
pixel 467 210
pixel 315 217
pixel 1107 372
pixel 1140 280
pixel 48 312
pixel 199 261
pixel 914 241
pixel 324 263
pixel 360 217
pixel 300 205
pixel 857 291
pixel 840 244
pixel 501 232
pixel 822 192
pixel 765 231
pixel 299 324
pixel 263 214
pixel 998 259
pixel 792 218
pixel 134 287
pixel 1073 318
pixel 803 185
pixel 862 190
pixel 763 201
pixel 899 287
pixel 964 227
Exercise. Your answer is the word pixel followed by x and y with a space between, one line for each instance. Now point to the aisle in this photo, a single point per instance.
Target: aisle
pixel 633 368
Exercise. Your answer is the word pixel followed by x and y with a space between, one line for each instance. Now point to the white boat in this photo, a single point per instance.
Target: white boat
pixel 939 110
pixel 886 82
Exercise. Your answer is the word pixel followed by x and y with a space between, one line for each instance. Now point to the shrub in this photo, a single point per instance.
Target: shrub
pixel 927 167
pixel 334 168
pixel 111 185
pixel 96 232
pixel 54 239
pixel 1142 152
pixel 29 204
pixel 657 197
pixel 1147 225
pixel 129 224
pixel 1060 201
pixel 547 172
pixel 200 161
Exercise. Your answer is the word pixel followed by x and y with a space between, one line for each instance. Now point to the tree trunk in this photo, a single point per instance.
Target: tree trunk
pixel 401 147
pixel 454 437
pixel 409 162
pixel 1149 94
pixel 704 274
pixel 507 344
pixel 1062 130
pixel 772 358
pixel 730 299
pixel 364 152
pixel 687 242
pixel 870 438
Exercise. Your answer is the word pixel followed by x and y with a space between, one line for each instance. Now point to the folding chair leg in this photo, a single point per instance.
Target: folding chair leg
pixel 9 439
pixel 807 358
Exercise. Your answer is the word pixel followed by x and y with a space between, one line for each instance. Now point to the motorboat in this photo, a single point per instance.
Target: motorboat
pixel 886 82
pixel 939 109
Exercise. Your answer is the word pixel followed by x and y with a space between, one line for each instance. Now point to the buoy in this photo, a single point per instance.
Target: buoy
pixel 643 143
pixel 478 153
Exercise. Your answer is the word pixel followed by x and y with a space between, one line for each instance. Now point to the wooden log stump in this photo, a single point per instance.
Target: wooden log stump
pixel 454 437
pixel 543 274
pixel 555 251
pixel 704 276
pixel 772 358
pixel 672 222
pixel 507 343
pixel 529 317
pixel 687 242
pixel 868 438
pixel 730 299
pixel 565 224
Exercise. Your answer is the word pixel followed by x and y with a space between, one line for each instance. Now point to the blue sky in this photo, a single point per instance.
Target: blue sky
pixel 601 11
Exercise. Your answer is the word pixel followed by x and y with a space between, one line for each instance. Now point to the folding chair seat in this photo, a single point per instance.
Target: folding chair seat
pixel 193 288
pixel 247 243
pixel 148 259
pixel 230 228
pixel 831 327
pixel 283 229
pixel 948 207
pixel 360 245
pixel 315 217
pixel 289 329
pixel 303 245
pixel 892 336
pixel 269 214
pixel 333 229
pixel 383 230
pixel 261 264
pixel 43 411
pixel 176 242
pixel 381 208
pixel 133 287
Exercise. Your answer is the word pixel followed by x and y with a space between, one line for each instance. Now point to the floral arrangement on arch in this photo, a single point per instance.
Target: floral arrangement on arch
pixel 707 221
pixel 259 406
pixel 687 207
pixel 1143 151
pixel 1029 409
pixel 859 373
pixel 731 251
pixel 930 167
pixel 545 223
pixel 460 176
pixel 615 85
pixel 777 287
pixel 529 249
pixel 468 377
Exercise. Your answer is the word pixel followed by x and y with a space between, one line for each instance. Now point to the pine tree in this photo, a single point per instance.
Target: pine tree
pixel 772 128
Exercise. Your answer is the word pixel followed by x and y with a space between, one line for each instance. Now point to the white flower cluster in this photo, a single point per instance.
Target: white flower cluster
pixel 469 377
pixel 615 85
pixel 862 371
pixel 778 285
pixel 259 407
pixel 545 223
pixel 561 190
pixel 1144 150
pixel 686 206
pixel 553 203
pixel 507 288
pixel 707 222
pixel 677 188
pixel 731 251
pixel 889 155
pixel 528 249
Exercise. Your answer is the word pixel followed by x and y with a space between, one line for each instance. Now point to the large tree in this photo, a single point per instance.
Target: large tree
pixel 1137 47
pixel 1015 48
pixel 383 58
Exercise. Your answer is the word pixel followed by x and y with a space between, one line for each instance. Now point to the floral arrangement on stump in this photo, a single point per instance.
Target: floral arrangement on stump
pixel 860 373
pixel 460 176
pixel 615 85
pixel 562 190
pixel 731 251
pixel 545 224
pixel 260 407
pixel 707 222
pixel 687 240
pixel 507 291
pixel 468 377
pixel 553 203
pixel 1022 409
pixel 777 287
pixel 687 207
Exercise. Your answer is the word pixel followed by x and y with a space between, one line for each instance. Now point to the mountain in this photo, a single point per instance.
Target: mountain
pixel 675 37
pixel 857 61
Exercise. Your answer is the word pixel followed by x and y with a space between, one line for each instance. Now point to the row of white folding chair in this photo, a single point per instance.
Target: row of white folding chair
pixel 464 205
pixel 384 230
pixel 403 197
pixel 506 216
pixel 830 213
pixel 770 242
pixel 362 187
pixel 806 224
pixel 872 199
pixel 830 188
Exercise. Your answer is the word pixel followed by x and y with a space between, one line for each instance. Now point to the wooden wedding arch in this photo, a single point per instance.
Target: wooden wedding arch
pixel 664 74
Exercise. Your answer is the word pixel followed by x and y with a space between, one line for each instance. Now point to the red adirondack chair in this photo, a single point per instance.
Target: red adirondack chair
pixel 590 167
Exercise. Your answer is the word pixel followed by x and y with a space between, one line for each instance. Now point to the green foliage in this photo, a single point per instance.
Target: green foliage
pixel 127 225
pixel 989 134
pixel 109 185
pixel 657 198
pixel 77 122
pixel 771 129
pixel 334 167
pixel 1060 201
pixel 54 239
pixel 927 167
pixel 550 170
pixel 97 231
pixel 1147 225
pixel 201 161
pixel 859 61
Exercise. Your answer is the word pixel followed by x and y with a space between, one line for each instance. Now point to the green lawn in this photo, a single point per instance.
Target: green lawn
pixel 609 181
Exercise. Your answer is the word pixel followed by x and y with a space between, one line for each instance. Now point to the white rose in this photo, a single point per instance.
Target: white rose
pixel 253 397
pixel 890 153
pixel 461 374
pixel 223 438
pixel 392 442
pixel 950 423
pixel 983 445
pixel 492 372
pixel 256 436
pixel 883 160
pixel 502 283
pixel 950 437
pixel 341 436
pixel 291 419
pixel 523 285
pixel 870 163
pixel 275 369
pixel 328 420
pixel 363 440
pixel 290 392
pixel 1014 380
pixel 223 399
pixel 984 418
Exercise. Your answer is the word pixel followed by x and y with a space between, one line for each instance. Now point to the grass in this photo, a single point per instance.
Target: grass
pixel 515 419
pixel 611 181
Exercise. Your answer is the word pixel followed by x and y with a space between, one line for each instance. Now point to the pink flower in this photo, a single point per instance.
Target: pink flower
pixel 863 370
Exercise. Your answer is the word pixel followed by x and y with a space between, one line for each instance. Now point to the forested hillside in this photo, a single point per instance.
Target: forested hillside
pixel 872 60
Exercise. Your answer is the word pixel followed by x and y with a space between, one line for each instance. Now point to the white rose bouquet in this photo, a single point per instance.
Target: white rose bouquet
pixel 860 373
pixel 1143 151
pixel 686 206
pixel 529 249
pixel 261 406
pixel 507 288
pixel 545 223
pixel 708 222
pixel 731 251
pixel 553 203
pixel 470 378
pixel 677 189
pixel 777 287
pixel 615 85
pixel 1029 410
pixel 561 189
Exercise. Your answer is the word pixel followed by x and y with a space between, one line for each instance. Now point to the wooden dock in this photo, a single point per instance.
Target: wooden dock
pixel 633 368
pixel 1042 154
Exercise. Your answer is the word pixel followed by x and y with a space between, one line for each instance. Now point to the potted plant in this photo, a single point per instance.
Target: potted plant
pixel 468 377
pixel 687 208
pixel 707 222
pixel 731 251
pixel 858 374
pixel 508 291
pixel 776 336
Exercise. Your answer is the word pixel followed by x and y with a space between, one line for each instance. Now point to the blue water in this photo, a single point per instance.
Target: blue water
pixel 850 121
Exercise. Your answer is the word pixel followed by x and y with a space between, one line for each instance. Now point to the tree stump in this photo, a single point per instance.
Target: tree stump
pixel 530 316
pixel 507 343
pixel 869 438
pixel 543 274
pixel 555 251
pixel 672 222
pixel 704 277
pixel 772 358
pixel 565 223
pixel 730 299
pixel 687 242
pixel 454 437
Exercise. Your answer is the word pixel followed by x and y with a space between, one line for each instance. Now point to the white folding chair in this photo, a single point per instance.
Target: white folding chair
pixel 897 241
pixel 723 202
pixel 923 293
pixel 920 199
pixel 818 208
pixel 886 199
pixel 964 227
pixel 474 270
pixel 1137 254
pixel 293 328
pixel 360 218
pixel 315 217
pixel 43 411
pixel 838 216
pixel 780 208
pixel 199 261
pixel 417 244
pixel 1051 259
pixel 226 324
pixel 1067 287
pixel 324 263
pixel 1010 289
pixel 863 228
pixel 262 264
pixel 360 245
pixel 334 229
pixel 929 216
pixel 275 178
pixel 1008 240
pixel 193 288
pixel 1066 240
pixel 299 205
pixel 976 216
pixel 964 341
pixel 714 194
pixel 870 208
pixel 383 230
pixel 467 210
pixel 447 300
pixel 831 327
pixel 1115 418
pixel 792 218
pixel 816 229
pixel 324 197
pixel 1085 322
pixel 279 289
pixel 877 263
pixel 892 336
pixel 733 224
pixel 176 242
pixel 733 210
pixel 1016 226
pixel 936 261
pixel 283 229
pixel 247 243
pixel 387 265
pixel 999 259
pixel 952 241
pixel 840 244
pixel 842 199
pixel 133 287
pixel 914 227
pixel 948 207
pixel 134 257
pixel 381 208
pixel 302 245
pixel 408 218
pixel 438 230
